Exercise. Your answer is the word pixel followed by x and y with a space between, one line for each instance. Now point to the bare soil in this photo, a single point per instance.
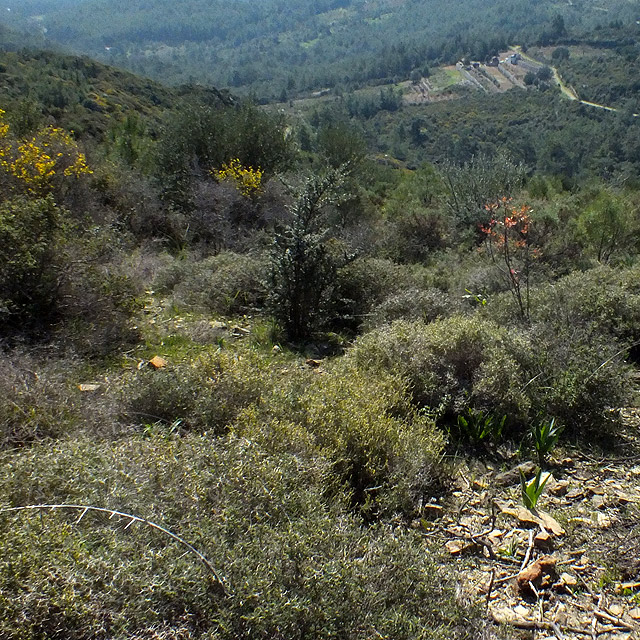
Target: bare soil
pixel 569 570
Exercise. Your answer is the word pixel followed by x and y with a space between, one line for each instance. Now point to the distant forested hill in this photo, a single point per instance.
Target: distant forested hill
pixel 80 94
pixel 280 47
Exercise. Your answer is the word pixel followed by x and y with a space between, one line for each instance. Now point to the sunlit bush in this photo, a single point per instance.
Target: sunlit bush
pixel 228 283
pixel 452 364
pixel 365 425
pixel 293 558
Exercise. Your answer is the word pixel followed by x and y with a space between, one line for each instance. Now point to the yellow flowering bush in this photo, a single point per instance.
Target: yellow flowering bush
pixel 32 165
pixel 246 179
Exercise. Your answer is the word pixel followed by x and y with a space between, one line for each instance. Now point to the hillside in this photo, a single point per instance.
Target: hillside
pixel 273 46
pixel 359 364
pixel 85 95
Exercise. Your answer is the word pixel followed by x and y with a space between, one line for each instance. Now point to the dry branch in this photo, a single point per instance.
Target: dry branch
pixel 132 518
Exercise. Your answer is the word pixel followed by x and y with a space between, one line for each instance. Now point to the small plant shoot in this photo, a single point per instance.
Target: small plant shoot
pixel 532 490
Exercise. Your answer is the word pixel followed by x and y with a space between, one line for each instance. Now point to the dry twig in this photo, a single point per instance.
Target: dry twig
pixel 132 518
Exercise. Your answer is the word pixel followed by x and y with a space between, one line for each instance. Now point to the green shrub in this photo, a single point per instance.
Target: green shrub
pixel 58 278
pixel 200 395
pixel 364 283
pixel 226 284
pixel 452 364
pixel 460 362
pixel 579 377
pixel 303 272
pixel 30 234
pixel 416 233
pixel 602 300
pixel 295 563
pixel 365 425
pixel 413 304
pixel 582 329
pixel 96 310
pixel 37 399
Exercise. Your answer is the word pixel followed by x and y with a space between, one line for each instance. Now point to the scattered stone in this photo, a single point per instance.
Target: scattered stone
pixel 88 387
pixel 575 494
pixel 512 476
pixel 540 518
pixel 157 362
pixel 456 547
pixel 635 613
pixel 582 565
pixel 495 536
pixel 549 523
pixel 432 509
pixel 560 488
pixel 504 615
pixel 615 610
pixel 539 574
pixel 598 501
pixel 568 580
pixel 276 348
pixel 544 541
pixel 604 521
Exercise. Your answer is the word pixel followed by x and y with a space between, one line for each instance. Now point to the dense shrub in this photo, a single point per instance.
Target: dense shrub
pixel 580 377
pixel 57 277
pixel 46 397
pixel 294 563
pixel 30 235
pixel 452 364
pixel 603 299
pixel 227 284
pixel 571 372
pixel 97 309
pixel 582 329
pixel 364 283
pixel 37 399
pixel 414 235
pixel 365 425
pixel 200 395
pixel 413 304
pixel 386 451
pixel 303 267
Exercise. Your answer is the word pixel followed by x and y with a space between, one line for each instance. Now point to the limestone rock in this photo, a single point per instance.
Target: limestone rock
pixel 513 475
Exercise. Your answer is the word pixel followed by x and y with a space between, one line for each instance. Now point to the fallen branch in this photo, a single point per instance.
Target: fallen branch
pixel 132 518
pixel 522 623
pixel 527 555
pixel 603 615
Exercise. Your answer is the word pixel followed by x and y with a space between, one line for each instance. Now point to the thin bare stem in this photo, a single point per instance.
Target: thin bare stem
pixel 132 518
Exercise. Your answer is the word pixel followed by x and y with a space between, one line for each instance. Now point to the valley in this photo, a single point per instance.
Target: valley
pixel 319 320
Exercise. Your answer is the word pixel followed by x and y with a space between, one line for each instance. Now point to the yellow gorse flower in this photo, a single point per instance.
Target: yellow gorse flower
pixel 35 162
pixel 246 179
pixel 4 127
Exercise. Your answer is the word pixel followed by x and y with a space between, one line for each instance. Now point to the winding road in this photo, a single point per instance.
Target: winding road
pixel 568 90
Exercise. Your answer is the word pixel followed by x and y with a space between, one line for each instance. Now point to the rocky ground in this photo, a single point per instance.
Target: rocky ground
pixel 569 569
